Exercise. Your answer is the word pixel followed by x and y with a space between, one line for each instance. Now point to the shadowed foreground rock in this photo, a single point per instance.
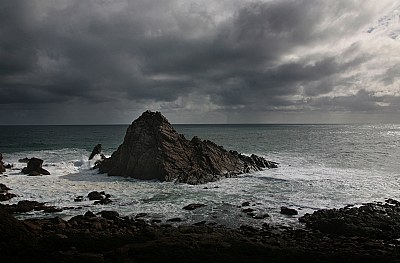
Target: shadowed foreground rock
pixel 152 149
pixel 108 237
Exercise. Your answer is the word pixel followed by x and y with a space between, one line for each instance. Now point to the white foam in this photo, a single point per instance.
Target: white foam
pixel 300 182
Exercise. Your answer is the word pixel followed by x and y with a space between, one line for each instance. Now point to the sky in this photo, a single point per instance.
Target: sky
pixel 236 61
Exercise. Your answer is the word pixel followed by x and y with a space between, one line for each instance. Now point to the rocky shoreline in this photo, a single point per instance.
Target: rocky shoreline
pixel 368 233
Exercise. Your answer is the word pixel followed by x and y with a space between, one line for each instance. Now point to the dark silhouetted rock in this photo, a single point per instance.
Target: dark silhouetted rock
pixel 89 214
pixel 34 168
pixel 4 188
pixel 109 214
pixel 152 149
pixel 95 196
pixel 248 210
pixel 27 206
pixel 101 197
pixel 193 206
pixel 6 196
pixel 2 168
pixel 96 150
pixel 78 198
pixel 288 211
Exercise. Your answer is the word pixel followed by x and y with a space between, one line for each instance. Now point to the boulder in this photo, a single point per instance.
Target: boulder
pixel 94 195
pixel 96 150
pixel 288 211
pixel 34 167
pixel 152 149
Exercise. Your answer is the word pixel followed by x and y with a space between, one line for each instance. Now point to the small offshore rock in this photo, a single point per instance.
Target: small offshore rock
pixel 109 214
pixel 94 195
pixel 245 204
pixel 2 168
pixel 288 211
pixel 96 150
pixel 193 206
pixel 34 167
pixel 78 198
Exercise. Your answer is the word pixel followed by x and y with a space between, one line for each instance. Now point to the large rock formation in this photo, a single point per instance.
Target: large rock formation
pixel 152 149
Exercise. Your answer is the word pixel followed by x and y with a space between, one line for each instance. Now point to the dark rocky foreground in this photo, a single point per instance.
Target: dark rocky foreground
pixel 365 234
pixel 152 149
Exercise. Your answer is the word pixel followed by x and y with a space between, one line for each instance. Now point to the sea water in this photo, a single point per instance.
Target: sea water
pixel 320 166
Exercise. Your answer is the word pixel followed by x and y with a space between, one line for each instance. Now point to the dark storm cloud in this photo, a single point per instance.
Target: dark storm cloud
pixel 119 53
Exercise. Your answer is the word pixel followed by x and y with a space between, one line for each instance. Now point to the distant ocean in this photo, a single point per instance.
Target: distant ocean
pixel 321 166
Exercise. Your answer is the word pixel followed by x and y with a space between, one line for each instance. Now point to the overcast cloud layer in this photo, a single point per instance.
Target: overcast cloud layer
pixel 76 62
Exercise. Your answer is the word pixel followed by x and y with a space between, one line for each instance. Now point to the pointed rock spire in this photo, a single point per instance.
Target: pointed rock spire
pixel 152 149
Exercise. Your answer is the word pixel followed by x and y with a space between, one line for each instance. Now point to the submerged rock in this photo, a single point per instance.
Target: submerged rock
pixel 152 149
pixel 34 168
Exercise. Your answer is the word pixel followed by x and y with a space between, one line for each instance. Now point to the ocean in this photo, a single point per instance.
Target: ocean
pixel 320 166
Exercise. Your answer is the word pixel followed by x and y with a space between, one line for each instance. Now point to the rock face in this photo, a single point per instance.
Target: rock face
pixel 152 149
pixel 34 168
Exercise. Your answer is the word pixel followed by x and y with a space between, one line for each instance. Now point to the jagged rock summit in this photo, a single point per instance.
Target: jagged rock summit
pixel 152 149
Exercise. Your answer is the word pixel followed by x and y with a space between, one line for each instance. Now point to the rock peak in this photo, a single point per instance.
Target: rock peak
pixel 152 115
pixel 152 149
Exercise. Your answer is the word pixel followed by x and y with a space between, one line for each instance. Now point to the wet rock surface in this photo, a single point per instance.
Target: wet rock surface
pixel 27 206
pixel 372 220
pixel 109 237
pixel 152 149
